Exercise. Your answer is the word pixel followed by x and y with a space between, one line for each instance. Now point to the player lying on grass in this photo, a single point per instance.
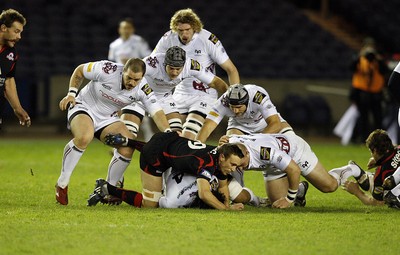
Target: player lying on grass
pixel 165 150
pixel 384 184
pixel 283 158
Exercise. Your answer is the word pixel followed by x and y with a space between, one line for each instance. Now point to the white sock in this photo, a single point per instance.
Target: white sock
pixel 253 198
pixel 337 173
pixel 117 167
pixel 396 190
pixel 396 176
pixel 71 157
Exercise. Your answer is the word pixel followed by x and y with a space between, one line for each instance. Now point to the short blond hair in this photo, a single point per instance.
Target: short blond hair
pixel 186 16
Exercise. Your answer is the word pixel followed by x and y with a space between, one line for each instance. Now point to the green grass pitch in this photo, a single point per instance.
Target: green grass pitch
pixel 32 223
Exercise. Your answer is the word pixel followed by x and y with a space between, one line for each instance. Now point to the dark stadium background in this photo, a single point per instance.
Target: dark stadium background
pixel 293 48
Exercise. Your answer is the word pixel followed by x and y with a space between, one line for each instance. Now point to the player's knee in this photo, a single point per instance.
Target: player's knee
pixel 83 141
pixel 329 185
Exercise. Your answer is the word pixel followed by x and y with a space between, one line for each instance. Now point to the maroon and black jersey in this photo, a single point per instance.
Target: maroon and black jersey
pixel 387 166
pixel 165 150
pixel 8 61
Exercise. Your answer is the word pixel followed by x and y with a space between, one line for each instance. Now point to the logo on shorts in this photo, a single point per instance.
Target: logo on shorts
pixel 265 153
pixel 109 68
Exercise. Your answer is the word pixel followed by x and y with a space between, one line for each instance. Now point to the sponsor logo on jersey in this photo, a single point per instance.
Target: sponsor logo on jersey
pixel 395 160
pixel 10 56
pixel 111 98
pixel 205 173
pixel 258 97
pixel 265 153
pixel 109 68
pixel 197 52
pixel 146 89
pixel 212 113
pixel 213 39
pixel 194 65
pixel 89 67
pixel 152 61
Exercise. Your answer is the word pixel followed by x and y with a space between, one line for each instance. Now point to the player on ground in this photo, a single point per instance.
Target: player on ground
pixel 11 26
pixel 165 150
pixel 93 112
pixel 192 96
pixel 163 72
pixel 283 157
pixel 385 157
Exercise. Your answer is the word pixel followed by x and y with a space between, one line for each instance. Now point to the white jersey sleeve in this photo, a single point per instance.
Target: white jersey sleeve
pixel 260 101
pixel 148 98
pixel 219 110
pixel 199 72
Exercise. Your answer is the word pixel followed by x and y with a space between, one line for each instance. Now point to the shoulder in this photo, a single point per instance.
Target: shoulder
pixel 10 53
pixel 208 37
pixel 256 93
pixel 115 43
pixel 154 60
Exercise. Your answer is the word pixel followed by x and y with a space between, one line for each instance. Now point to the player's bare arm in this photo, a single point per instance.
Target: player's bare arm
pixel 205 131
pixel 161 121
pixel 274 124
pixel 11 94
pixel 219 84
pixel 223 188
pixel 206 195
pixel 74 84
pixel 231 70
pixel 353 188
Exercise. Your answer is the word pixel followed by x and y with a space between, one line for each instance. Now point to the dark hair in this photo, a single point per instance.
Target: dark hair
pixel 8 17
pixel 136 65
pixel 129 20
pixel 379 141
pixel 229 149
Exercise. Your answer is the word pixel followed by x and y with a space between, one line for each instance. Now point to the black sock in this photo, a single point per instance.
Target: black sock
pixel 128 196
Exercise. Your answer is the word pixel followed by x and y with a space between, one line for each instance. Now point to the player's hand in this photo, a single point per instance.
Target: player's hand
pixel 281 203
pixel 223 140
pixel 351 187
pixel 23 117
pixel 66 102
pixel 237 207
pixel 371 163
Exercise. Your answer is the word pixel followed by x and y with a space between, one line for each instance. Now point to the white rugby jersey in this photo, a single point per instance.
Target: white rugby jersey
pixel 204 47
pixel 104 93
pixel 267 150
pixel 134 47
pixel 159 80
pixel 259 107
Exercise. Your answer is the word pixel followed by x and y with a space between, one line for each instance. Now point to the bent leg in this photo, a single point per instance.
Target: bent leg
pixel 321 179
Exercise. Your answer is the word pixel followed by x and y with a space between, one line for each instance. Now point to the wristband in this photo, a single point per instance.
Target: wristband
pixel 291 195
pixel 72 91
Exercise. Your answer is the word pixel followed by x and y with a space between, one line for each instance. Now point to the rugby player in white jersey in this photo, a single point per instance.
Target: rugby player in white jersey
pixel 163 72
pixel 283 158
pixel 128 45
pixel 192 96
pixel 93 113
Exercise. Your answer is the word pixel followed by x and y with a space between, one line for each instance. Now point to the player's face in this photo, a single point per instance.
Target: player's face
pixel 131 79
pixel 238 110
pixel 229 164
pixel 11 35
pixel 185 32
pixel 173 72
pixel 125 30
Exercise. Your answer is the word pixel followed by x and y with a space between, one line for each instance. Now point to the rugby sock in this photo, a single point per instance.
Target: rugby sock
pixel 396 190
pixel 71 157
pixel 341 173
pixel 129 196
pixel 253 198
pixel 117 167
